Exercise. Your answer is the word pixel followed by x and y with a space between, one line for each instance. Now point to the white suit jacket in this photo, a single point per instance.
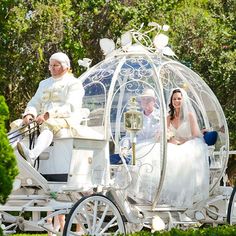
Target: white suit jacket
pixel 61 98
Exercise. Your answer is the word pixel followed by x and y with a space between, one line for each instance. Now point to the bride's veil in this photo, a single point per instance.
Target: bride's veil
pixel 186 108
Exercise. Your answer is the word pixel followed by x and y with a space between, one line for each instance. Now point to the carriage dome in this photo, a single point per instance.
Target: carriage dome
pixel 143 63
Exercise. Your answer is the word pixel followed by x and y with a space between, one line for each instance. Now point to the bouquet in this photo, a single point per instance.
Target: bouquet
pixel 170 134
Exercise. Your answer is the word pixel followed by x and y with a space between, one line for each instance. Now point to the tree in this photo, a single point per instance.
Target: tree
pixel 8 168
pixel 33 30
pixel 203 36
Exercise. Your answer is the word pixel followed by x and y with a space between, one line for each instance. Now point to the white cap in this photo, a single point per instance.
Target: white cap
pixel 62 58
pixel 148 92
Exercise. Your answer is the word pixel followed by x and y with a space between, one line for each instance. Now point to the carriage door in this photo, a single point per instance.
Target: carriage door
pixel 130 90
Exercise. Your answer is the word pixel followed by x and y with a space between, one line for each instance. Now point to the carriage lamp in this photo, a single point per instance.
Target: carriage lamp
pixel 133 121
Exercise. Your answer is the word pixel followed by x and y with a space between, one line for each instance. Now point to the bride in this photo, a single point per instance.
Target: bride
pixel 187 170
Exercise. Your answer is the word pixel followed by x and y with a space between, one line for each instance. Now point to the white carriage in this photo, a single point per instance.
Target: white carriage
pixel 75 177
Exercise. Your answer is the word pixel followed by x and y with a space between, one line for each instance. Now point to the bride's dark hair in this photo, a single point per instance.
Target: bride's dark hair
pixel 172 109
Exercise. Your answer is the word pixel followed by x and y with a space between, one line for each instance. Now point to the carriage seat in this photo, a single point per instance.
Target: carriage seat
pixel 83 129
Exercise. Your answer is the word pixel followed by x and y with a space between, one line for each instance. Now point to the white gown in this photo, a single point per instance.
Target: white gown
pixel 187 170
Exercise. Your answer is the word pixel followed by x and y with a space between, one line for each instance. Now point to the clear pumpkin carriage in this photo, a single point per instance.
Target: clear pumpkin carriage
pixel 74 176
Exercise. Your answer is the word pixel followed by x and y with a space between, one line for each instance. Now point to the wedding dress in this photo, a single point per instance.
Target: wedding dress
pixel 187 171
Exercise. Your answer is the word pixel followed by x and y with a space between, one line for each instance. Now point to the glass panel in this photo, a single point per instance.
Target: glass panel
pixel 95 101
pixel 137 79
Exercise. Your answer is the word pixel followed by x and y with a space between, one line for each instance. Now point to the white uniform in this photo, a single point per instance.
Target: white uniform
pixel 61 98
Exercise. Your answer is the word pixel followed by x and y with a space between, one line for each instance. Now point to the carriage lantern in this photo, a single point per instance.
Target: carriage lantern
pixel 133 121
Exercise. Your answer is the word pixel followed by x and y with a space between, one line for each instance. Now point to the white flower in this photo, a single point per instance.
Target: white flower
pixel 154 24
pixel 169 134
pixel 107 45
pixel 126 40
pixel 85 62
pixel 160 41
pixel 168 51
pixel 165 27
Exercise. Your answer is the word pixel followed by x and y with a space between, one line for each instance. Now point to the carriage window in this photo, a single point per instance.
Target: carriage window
pixel 121 105
pixel 215 122
pixel 95 101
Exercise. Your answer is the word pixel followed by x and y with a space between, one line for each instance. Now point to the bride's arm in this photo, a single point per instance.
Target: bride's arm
pixel 195 130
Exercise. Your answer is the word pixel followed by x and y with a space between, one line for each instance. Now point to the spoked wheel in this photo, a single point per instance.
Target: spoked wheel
pixel 94 215
pixel 231 213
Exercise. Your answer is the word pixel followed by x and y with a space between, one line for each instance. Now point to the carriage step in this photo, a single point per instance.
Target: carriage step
pixel 9 232
pixel 164 208
pixel 184 222
pixel 138 201
pixel 159 208
pixel 22 208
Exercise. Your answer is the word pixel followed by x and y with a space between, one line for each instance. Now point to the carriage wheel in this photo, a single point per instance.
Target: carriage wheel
pixel 94 215
pixel 231 213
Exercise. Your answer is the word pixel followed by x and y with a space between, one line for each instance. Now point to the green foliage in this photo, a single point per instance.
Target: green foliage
pixel 216 231
pixel 225 230
pixel 8 169
pixel 32 32
pixel 204 37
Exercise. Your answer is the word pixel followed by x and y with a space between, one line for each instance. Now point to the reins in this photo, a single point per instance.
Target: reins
pixel 32 130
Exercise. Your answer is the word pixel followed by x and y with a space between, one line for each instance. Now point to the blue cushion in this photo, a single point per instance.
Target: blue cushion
pixel 115 159
pixel 210 137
